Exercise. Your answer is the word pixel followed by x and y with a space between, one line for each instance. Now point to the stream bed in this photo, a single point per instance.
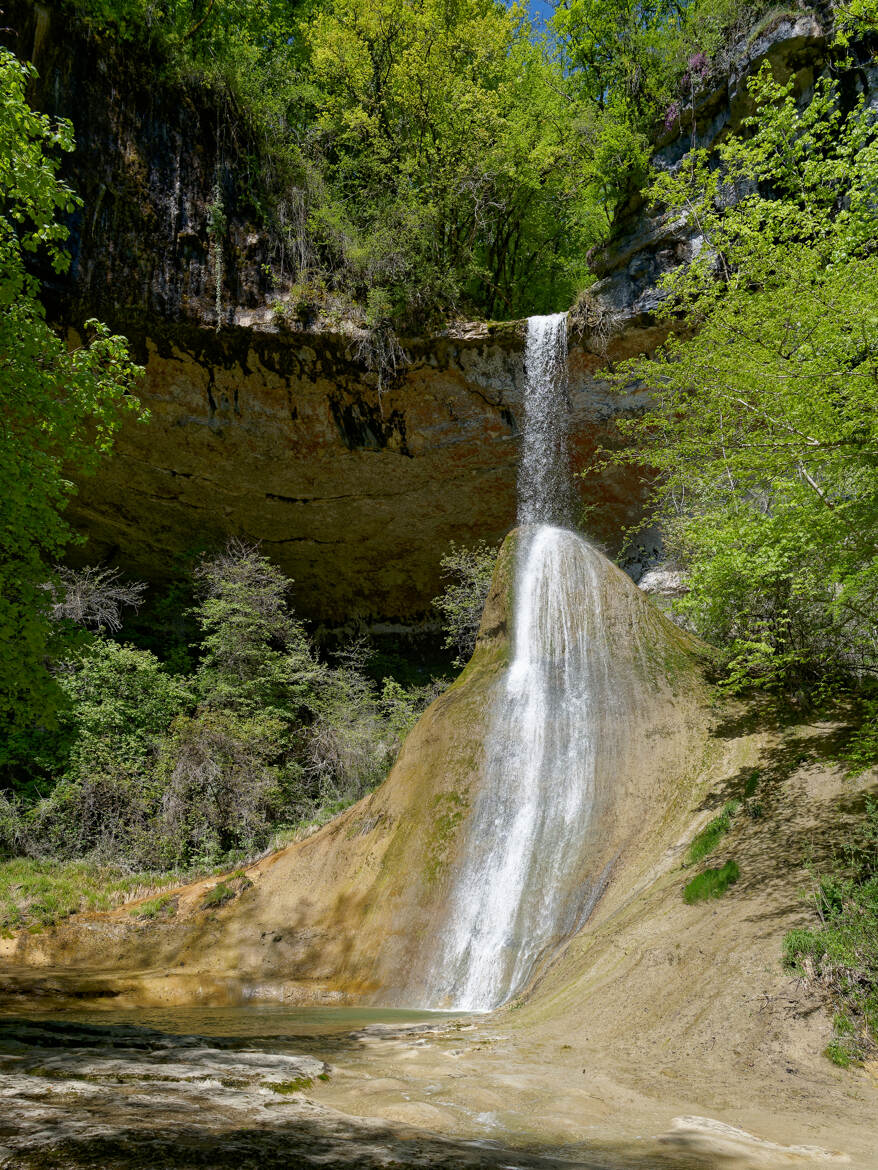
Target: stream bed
pixel 231 1089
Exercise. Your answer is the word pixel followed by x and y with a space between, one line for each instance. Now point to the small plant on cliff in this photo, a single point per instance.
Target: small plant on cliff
pixel 463 598
pixel 706 841
pixel 217 895
pixel 159 907
pixel 855 20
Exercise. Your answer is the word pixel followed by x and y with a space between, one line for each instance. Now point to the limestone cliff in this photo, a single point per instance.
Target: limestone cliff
pixel 355 494
pixel 647 242
pixel 282 434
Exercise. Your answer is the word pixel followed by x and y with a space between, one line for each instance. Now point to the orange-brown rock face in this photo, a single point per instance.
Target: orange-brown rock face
pixel 284 438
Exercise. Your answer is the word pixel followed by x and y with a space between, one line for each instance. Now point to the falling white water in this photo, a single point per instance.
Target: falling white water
pixel 521 887
pixel 545 494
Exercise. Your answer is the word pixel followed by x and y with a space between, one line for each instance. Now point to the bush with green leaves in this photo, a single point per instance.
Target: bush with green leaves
pixel 226 782
pixel 120 704
pixel 861 751
pixel 462 600
pixel 153 769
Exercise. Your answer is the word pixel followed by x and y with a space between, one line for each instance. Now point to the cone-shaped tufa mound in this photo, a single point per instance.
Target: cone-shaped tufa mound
pixel 514 798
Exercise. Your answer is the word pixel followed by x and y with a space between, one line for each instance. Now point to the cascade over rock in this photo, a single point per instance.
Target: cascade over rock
pixel 353 912
pixel 528 873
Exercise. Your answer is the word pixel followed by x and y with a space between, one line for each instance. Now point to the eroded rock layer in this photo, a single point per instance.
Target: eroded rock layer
pixel 355 492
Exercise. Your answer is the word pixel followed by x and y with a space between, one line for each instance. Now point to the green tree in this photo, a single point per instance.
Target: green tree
pixel 442 142
pixel 59 407
pixel 101 763
pixel 612 45
pixel 255 655
pixel 122 703
pixel 765 428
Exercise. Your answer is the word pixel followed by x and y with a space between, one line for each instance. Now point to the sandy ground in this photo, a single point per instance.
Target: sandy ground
pixel 662 1018
pixel 663 1035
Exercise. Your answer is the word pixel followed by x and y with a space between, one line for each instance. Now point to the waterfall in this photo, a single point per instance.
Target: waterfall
pixel 520 888
pixel 545 494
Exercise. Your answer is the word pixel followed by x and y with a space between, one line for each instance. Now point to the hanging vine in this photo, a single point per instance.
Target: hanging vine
pixel 216 229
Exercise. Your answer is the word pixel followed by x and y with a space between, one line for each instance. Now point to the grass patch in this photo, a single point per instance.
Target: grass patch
pixel 218 896
pixel 706 841
pixel 307 825
pixel 713 883
pixel 296 1085
pixel 839 1053
pixel 155 907
pixel 840 952
pixel 35 894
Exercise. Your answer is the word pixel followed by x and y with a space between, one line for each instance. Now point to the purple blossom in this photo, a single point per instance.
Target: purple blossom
pixel 699 67
pixel 671 115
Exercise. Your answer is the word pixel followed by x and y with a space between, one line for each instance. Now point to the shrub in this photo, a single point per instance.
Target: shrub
pixel 463 598
pixel 840 955
pixel 222 789
pixel 255 653
pixel 122 702
pixel 107 815
pixel 861 751
pixel 154 770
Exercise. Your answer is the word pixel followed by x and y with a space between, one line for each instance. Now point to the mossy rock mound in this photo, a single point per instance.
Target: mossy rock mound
pixel 350 913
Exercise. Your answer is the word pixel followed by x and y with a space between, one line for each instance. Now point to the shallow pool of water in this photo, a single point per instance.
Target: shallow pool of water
pixel 256 1025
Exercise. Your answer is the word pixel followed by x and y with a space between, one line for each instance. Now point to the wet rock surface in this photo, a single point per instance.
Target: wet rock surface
pixel 116 1096
pixel 122 1097
pixel 119 1097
